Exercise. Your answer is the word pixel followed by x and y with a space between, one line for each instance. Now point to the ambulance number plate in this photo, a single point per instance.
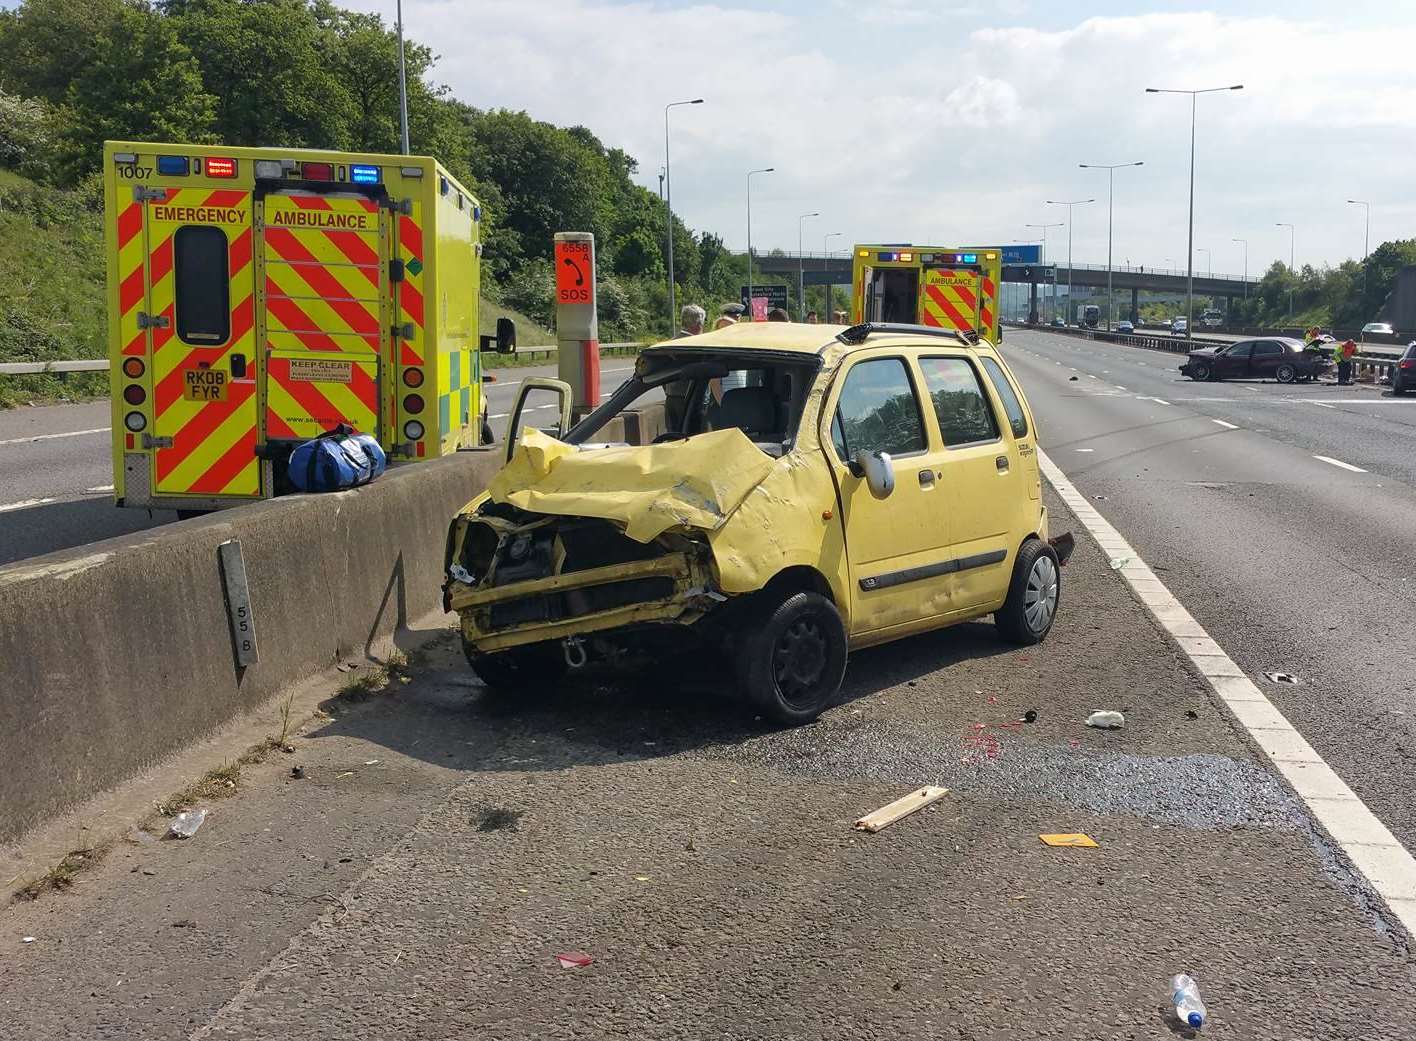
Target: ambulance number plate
pixel 204 384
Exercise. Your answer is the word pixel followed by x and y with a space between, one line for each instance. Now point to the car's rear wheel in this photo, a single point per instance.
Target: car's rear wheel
pixel 1027 615
pixel 1397 389
pixel 1200 371
pixel 522 670
pixel 793 657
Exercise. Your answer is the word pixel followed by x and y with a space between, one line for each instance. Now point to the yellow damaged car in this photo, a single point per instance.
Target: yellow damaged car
pixel 774 493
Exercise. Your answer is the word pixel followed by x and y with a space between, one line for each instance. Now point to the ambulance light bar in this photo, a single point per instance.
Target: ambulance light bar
pixel 411 171
pixel 363 174
pixel 270 169
pixel 125 158
pixel 318 171
pixel 174 165
pixel 220 167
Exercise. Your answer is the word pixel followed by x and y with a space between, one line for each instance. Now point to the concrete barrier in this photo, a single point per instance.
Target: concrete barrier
pixel 115 655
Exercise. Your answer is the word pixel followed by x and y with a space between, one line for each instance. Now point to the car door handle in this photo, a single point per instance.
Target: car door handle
pixel 1001 462
pixel 926 478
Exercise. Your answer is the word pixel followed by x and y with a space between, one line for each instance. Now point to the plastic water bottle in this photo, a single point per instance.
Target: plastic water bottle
pixel 1185 993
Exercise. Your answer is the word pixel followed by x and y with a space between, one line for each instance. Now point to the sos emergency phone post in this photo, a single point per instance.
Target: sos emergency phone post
pixel 577 328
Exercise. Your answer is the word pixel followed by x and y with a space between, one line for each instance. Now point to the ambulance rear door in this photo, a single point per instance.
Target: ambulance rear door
pixel 326 312
pixel 200 289
pixel 949 298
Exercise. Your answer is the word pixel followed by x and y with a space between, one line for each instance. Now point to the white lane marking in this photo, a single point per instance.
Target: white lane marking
pixel 1371 847
pixel 1086 449
pixel 1322 404
pixel 1119 387
pixel 99 490
pixel 51 437
pixel 1158 401
pixel 1339 462
pixel 499 415
pixel 23 504
pixel 1227 426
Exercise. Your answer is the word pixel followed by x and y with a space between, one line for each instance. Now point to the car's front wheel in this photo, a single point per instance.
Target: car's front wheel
pixel 1033 598
pixel 523 670
pixel 793 657
pixel 1200 371
pixel 1286 373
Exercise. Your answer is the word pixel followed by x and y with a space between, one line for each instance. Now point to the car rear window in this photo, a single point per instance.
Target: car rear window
pixel 1017 418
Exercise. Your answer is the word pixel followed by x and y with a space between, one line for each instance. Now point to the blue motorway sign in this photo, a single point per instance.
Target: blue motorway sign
pixel 1022 254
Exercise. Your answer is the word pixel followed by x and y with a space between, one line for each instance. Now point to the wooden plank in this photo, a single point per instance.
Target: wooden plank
pixel 900 808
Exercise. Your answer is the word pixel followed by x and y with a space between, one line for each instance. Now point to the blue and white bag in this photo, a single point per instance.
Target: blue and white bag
pixel 336 460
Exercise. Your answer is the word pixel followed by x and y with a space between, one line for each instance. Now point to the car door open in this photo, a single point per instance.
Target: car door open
pixel 544 384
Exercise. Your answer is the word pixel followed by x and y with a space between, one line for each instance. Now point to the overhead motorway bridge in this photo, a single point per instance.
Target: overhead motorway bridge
pixel 835 269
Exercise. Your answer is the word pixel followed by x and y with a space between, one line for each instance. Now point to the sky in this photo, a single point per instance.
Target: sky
pixel 953 121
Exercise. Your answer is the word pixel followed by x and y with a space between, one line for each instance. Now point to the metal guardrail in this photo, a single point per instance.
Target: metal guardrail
pixel 1364 365
pixel 35 368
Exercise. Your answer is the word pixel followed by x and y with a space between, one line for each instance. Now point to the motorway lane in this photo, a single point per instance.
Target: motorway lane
pixel 56 474
pixel 1293 563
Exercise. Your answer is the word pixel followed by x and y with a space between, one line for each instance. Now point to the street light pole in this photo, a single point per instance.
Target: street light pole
pixel 1110 197
pixel 669 210
pixel 1069 205
pixel 1246 267
pixel 801 268
pixel 1190 251
pixel 1292 270
pixel 1366 240
pixel 1044 228
pixel 765 169
pixel 402 84
pixel 825 265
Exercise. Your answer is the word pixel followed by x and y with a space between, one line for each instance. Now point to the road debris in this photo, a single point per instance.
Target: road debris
pixel 1030 716
pixel 1191 714
pixel 900 808
pixel 1071 838
pixel 297 772
pixel 1117 563
pixel 574 959
pixel 1106 720
pixel 27 939
pixel 1282 677
pixel 497 818
pixel 371 762
pixel 186 823
pixel 1073 379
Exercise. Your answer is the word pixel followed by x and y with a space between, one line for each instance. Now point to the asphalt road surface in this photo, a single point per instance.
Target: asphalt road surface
pixel 443 846
pixel 56 471
pixel 1284 517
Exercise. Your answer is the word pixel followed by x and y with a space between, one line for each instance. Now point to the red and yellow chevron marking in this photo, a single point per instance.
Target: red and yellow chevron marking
pixel 410 290
pixel 308 395
pixel 949 299
pixel 131 278
pixel 990 304
pixel 322 273
pixel 213 442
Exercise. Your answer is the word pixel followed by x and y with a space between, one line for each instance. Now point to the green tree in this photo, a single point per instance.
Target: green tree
pixel 26 132
pixel 46 42
pixel 141 83
pixel 1379 274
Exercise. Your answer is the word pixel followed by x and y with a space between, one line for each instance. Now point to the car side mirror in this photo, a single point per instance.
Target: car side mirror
pixel 504 342
pixel 878 471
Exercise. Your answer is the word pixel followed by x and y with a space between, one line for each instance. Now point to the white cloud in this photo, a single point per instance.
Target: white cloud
pixel 909 125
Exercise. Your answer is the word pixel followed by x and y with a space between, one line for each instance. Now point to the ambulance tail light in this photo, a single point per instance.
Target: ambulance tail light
pixel 134 394
pixel 318 171
pixel 133 368
pixel 413 377
pixel 413 430
pixel 135 421
pixel 220 167
pixel 413 403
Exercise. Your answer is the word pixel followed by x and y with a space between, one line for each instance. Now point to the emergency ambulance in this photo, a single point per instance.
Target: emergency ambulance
pixel 948 287
pixel 260 297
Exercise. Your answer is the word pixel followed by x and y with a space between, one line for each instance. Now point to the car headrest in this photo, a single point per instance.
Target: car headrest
pixel 753 410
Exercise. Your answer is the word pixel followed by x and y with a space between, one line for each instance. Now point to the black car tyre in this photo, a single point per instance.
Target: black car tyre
pixel 1200 371
pixel 1027 615
pixel 792 657
pixel 1286 373
pixel 1397 389
pixel 522 670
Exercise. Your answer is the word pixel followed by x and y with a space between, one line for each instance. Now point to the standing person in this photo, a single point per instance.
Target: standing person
pixel 691 319
pixel 1345 350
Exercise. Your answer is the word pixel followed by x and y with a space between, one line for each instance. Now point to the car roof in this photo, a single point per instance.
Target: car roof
pixel 801 338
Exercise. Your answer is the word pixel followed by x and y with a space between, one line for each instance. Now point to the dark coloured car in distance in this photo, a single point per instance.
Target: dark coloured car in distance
pixel 1403 377
pixel 1272 358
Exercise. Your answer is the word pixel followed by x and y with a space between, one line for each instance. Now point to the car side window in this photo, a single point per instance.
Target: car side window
pixel 1017 418
pixel 1267 348
pixel 1241 350
pixel 878 411
pixel 960 403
